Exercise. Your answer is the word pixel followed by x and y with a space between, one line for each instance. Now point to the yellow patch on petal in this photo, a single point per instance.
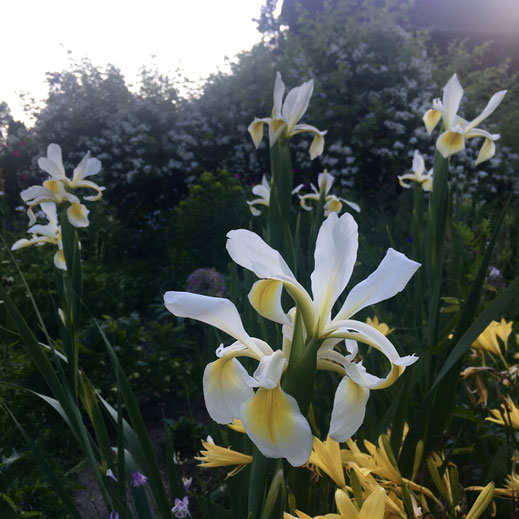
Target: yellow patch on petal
pixel 334 206
pixel 486 152
pixel 269 415
pixel 265 299
pixel 431 119
pixel 256 131
pixel 449 143
pixel 53 185
pixel 59 260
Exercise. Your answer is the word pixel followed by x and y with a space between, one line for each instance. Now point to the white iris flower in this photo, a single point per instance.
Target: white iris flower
pixel 286 116
pixel 335 256
pixel 270 416
pixel 333 204
pixel 57 188
pixel 419 175
pixel 457 129
pixel 49 233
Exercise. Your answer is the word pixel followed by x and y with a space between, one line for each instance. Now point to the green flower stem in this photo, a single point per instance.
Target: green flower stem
pixel 417 233
pixel 278 220
pixel 71 297
pixel 435 242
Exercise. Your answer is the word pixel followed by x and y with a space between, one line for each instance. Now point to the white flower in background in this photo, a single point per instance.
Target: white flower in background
pixel 335 256
pixel 53 165
pixel 58 187
pixel 285 117
pixel 456 129
pixel 333 204
pixel 263 191
pixel 419 175
pixel 270 416
pixel 49 233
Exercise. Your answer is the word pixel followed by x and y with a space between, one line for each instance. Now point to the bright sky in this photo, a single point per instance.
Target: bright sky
pixel 195 34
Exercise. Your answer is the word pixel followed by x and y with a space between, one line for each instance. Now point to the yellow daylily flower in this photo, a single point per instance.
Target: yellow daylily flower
pixel 372 508
pixel 457 129
pixel 335 255
pixel 327 457
pixel 508 415
pixel 488 340
pixel 286 116
pixel 333 204
pixel 419 175
pixel 49 233
pixel 383 328
pixel 216 456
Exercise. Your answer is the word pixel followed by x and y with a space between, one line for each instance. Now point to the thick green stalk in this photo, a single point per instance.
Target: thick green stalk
pixel 279 235
pixel 435 242
pixel 71 296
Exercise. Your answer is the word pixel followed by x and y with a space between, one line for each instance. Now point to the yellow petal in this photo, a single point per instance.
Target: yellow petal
pixel 373 507
pixel 345 506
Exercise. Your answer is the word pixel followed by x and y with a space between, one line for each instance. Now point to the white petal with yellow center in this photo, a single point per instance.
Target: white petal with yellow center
pixel 59 260
pixel 450 142
pixel 349 408
pixel 265 298
pixel 78 215
pixel 274 423
pixel 431 118
pixel 227 386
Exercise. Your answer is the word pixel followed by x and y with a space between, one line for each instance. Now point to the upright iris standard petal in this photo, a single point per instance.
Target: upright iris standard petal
pixel 390 277
pixel 335 255
pixel 296 103
pixel 349 408
pixel 53 162
pixel 452 94
pixel 227 386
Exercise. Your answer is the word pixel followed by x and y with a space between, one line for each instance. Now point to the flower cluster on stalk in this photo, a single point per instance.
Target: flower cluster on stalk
pixel 56 190
pixel 271 417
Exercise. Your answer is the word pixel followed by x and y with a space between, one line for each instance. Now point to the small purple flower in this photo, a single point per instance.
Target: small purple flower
pixel 138 479
pixel 113 515
pixel 181 508
pixel 409 239
pixel 110 474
